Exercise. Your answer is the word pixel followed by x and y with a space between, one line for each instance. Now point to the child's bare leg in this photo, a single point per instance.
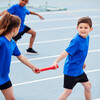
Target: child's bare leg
pixel 33 35
pixel 87 90
pixel 8 94
pixel 65 94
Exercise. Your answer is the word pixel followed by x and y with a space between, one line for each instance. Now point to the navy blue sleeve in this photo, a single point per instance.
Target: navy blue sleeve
pixel 73 47
pixel 11 10
pixel 16 51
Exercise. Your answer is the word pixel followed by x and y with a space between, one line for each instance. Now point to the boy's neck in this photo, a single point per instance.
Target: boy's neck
pixel 82 36
pixel 20 5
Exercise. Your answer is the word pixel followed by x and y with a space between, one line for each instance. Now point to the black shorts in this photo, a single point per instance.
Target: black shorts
pixel 70 82
pixel 19 35
pixel 6 85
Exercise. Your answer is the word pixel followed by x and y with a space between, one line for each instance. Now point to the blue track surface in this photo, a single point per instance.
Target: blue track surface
pixel 53 36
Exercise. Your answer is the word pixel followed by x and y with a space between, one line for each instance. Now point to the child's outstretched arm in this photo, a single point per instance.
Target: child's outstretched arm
pixel 84 66
pixel 62 56
pixel 33 13
pixel 27 63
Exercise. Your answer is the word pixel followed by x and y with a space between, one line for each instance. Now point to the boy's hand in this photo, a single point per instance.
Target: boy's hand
pixel 55 64
pixel 35 70
pixel 84 66
pixel 41 17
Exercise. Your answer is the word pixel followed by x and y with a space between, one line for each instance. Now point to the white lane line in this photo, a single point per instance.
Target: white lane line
pixel 57 40
pixel 40 58
pixel 45 79
pixel 55 28
pixel 49 41
pixel 49 20
pixel 71 11
pixel 97 99
pixel 60 28
pixel 47 57
pixel 50 78
pixel 57 19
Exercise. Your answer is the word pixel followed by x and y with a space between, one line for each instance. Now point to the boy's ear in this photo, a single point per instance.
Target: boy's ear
pixel 77 27
pixel 91 28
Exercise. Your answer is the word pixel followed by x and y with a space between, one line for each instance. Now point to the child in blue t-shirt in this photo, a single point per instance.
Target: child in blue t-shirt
pixel 9 27
pixel 21 11
pixel 76 54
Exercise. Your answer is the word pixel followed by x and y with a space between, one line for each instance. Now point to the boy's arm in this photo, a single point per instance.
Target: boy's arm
pixel 3 12
pixel 62 56
pixel 33 13
pixel 84 66
pixel 27 63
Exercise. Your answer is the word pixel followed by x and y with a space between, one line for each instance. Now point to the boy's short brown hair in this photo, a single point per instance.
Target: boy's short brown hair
pixel 85 20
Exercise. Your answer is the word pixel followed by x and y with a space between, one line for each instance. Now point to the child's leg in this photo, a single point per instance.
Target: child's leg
pixel 65 94
pixel 87 90
pixel 8 94
pixel 33 33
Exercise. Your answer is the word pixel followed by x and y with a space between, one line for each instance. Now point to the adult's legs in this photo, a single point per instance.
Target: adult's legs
pixel 8 93
pixel 87 90
pixel 65 94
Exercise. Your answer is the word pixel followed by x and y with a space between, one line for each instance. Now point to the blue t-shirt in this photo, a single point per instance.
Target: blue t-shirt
pixel 77 49
pixel 21 12
pixel 7 49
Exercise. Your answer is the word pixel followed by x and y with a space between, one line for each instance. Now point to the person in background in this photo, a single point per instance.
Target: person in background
pixel 21 11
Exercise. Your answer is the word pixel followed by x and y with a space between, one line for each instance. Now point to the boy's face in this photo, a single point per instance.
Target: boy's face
pixel 23 2
pixel 84 29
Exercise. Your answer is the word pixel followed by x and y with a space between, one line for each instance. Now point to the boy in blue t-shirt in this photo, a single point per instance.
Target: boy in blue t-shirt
pixel 21 11
pixel 76 54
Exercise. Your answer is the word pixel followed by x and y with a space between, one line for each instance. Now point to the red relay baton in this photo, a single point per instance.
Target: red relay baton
pixel 48 68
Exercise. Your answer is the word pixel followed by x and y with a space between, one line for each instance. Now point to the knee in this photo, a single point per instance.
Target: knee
pixel 88 88
pixel 11 98
pixel 68 92
pixel 33 34
pixel 65 94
